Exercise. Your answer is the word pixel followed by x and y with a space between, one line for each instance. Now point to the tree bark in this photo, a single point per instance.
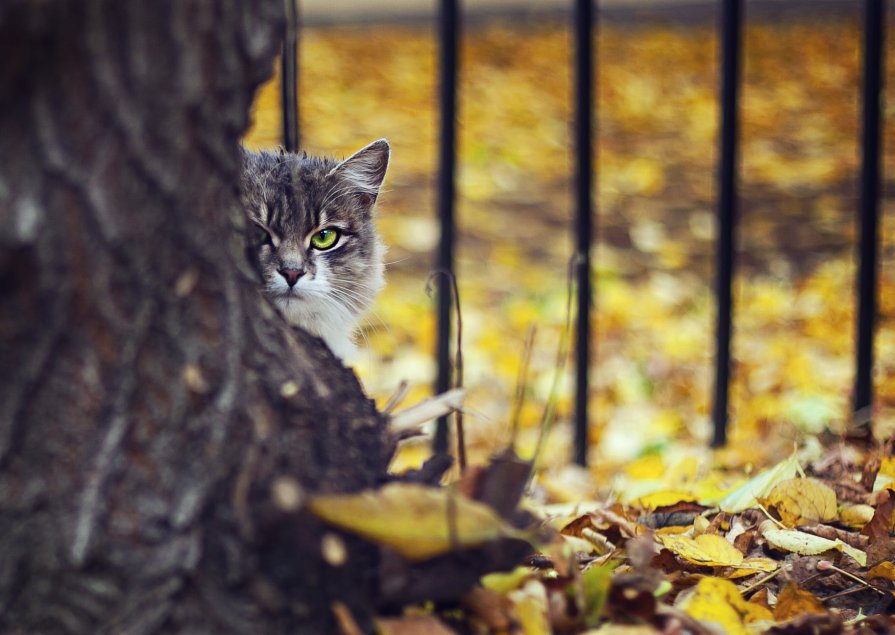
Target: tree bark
pixel 158 422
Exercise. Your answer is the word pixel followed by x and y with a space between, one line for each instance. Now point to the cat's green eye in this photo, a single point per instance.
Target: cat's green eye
pixel 325 238
pixel 262 236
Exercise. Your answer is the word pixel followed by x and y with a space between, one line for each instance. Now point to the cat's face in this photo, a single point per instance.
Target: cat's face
pixel 313 237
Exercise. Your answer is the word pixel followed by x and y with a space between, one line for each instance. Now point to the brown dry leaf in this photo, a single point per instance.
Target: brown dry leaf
pixel 802 501
pixel 761 598
pixel 492 608
pixel 807 544
pixel 794 601
pixel 880 525
pixel 708 550
pixel 418 522
pixel 719 603
pixel 852 538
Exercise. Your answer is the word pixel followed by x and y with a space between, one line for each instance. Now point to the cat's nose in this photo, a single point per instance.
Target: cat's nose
pixel 291 274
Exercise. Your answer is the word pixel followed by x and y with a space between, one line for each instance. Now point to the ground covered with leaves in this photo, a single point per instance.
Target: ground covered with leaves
pixel 660 533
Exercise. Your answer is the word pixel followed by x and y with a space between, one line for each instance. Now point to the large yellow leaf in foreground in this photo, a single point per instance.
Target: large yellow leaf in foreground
pixel 417 521
pixel 719 602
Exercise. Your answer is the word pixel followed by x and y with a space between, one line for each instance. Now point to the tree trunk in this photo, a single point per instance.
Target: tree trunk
pixel 159 425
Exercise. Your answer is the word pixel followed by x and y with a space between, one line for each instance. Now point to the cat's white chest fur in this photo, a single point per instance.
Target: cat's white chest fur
pixel 334 326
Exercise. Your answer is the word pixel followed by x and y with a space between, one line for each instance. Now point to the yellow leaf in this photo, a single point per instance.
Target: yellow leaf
pixel 745 495
pixel 887 466
pixel 663 498
pixel 505 582
pixel 418 522
pixel 751 566
pixel 623 629
pixel 708 550
pixel 856 516
pixel 794 601
pixel 530 604
pixel 719 603
pixel 807 544
pixel 803 501
pixel 882 570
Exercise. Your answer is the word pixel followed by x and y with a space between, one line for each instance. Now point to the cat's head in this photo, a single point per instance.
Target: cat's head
pixel 312 233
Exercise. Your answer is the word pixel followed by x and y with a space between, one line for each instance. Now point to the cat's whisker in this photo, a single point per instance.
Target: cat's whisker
pixel 342 309
pixel 358 298
pixel 369 313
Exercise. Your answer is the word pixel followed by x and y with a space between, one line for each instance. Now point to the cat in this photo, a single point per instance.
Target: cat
pixel 313 238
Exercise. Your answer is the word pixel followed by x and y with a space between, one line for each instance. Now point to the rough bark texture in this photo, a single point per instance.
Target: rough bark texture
pixel 156 418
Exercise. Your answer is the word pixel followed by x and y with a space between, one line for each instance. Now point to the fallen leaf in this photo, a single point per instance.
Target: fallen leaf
pixel 799 542
pixel 666 498
pixel 490 607
pixel 751 566
pixel 884 570
pixel 506 582
pixel 708 550
pixel 856 516
pixel 802 501
pixel 880 525
pixel 747 494
pixel 418 522
pixel 530 604
pixel 719 603
pixel 794 601
pixel 595 582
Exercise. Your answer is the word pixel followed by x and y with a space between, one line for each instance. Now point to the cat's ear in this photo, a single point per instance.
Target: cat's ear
pixel 365 169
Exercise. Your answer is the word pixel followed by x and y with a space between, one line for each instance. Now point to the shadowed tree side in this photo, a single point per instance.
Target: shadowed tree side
pixel 157 421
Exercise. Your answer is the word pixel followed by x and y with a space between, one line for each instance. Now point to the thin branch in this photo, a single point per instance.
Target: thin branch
pixel 522 383
pixel 562 355
pixel 458 362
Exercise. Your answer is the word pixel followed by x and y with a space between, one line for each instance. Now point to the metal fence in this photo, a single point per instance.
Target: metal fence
pixel 731 45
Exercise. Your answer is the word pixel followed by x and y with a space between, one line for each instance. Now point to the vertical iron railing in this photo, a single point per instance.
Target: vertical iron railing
pixel 447 160
pixel 289 78
pixel 584 108
pixel 730 80
pixel 874 14
pixel 731 34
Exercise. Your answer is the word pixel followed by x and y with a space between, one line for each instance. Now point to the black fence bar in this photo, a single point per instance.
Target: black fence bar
pixel 731 44
pixel 869 206
pixel 584 65
pixel 289 83
pixel 448 36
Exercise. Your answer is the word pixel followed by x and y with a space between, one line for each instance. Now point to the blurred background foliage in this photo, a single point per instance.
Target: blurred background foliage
pixel 657 120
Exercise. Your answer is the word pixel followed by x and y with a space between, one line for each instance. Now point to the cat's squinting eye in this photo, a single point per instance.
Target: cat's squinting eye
pixel 325 239
pixel 262 236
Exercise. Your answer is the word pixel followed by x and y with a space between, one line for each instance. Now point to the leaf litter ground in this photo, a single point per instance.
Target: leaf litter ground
pixel 652 539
